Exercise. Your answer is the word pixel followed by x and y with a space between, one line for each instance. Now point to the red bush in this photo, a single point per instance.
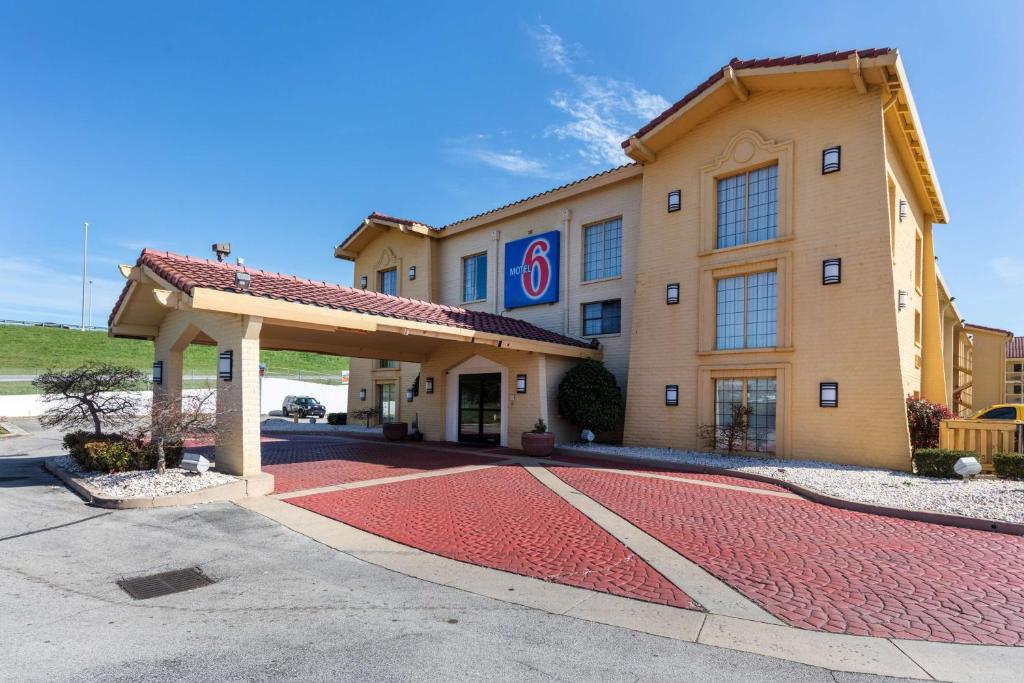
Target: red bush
pixel 923 418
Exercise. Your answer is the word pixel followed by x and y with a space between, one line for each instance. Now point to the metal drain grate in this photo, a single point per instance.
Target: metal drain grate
pixel 155 585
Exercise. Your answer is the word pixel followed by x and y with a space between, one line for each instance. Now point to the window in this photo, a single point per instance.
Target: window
pixel 1018 367
pixel 1018 389
pixel 917 327
pixel 602 317
pixel 474 277
pixel 389 282
pixel 746 311
pixel 748 207
pixel 602 250
pixel 758 394
pixel 387 364
pixel 1005 413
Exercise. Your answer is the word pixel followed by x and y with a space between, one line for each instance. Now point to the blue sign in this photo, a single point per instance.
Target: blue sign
pixel 531 270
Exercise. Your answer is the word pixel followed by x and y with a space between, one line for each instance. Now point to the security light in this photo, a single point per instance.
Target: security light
pixel 412 272
pixel 902 299
pixel 675 200
pixel 672 293
pixel 363 282
pixel 430 385
pixel 221 249
pixel 671 394
pixel 831 271
pixel 193 462
pixel 967 468
pixel 904 209
pixel 158 372
pixel 830 160
pixel 828 395
pixel 224 363
pixel 243 281
pixel 520 384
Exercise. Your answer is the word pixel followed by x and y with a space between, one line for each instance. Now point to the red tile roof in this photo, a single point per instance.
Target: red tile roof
pixel 1015 348
pixel 188 272
pixel 738 64
pixel 404 221
pixel 990 329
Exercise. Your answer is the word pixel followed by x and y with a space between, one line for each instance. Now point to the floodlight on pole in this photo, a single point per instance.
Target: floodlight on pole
pixel 85 268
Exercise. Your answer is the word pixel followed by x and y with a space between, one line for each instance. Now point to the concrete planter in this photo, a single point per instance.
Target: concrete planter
pixel 538 445
pixel 395 431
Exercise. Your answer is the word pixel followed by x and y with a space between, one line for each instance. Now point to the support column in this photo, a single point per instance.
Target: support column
pixel 933 376
pixel 238 399
pixel 169 348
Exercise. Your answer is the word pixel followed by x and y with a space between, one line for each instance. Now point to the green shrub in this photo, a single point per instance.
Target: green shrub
pixel 117 453
pixel 337 418
pixel 112 456
pixel 923 419
pixel 589 397
pixel 1009 465
pixel 938 462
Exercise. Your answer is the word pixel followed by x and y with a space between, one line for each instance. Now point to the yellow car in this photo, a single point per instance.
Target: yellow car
pixel 1001 411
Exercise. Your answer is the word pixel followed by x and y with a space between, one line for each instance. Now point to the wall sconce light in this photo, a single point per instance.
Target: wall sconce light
pixel 520 384
pixel 412 272
pixel 430 385
pixel 902 299
pixel 363 282
pixel 158 372
pixel 224 363
pixel 830 160
pixel 672 293
pixel 408 394
pixel 671 394
pixel 675 200
pixel 828 395
pixel 831 271
pixel 904 209
pixel 362 394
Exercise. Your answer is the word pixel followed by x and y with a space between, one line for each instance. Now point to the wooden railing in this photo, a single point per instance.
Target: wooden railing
pixel 983 437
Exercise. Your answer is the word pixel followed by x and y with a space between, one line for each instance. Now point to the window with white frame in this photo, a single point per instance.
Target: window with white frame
pixel 759 394
pixel 748 207
pixel 474 277
pixel 602 317
pixel 746 311
pixel 602 250
pixel 389 282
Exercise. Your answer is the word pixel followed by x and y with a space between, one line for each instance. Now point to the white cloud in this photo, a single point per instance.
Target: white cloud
pixel 602 111
pixel 32 289
pixel 1009 271
pixel 512 161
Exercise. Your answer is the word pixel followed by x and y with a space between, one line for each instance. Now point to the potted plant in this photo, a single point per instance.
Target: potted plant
pixel 395 431
pixel 539 443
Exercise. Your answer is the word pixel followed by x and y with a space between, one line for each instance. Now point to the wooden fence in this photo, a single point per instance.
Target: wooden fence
pixel 983 437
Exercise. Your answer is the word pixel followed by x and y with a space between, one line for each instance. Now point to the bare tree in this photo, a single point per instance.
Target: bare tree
pixel 173 420
pixel 731 435
pixel 367 414
pixel 90 394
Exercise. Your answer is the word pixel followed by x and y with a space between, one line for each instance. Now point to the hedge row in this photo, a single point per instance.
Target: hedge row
pixel 1009 465
pixel 938 462
pixel 117 453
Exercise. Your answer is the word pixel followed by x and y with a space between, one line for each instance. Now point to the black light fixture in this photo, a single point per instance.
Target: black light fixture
pixel 224 365
pixel 904 209
pixel 158 372
pixel 362 394
pixel 828 394
pixel 902 299
pixel 672 293
pixel 671 394
pixel 363 282
pixel 830 160
pixel 409 394
pixel 831 271
pixel 520 384
pixel 675 200
pixel 412 272
pixel 430 385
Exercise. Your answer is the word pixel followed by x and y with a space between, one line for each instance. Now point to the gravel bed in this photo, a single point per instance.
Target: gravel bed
pixel 145 483
pixel 984 498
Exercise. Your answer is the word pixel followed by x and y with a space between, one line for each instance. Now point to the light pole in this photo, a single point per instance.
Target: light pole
pixel 85 269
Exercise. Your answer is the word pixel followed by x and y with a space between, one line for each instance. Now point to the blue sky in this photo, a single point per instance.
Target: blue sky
pixel 277 127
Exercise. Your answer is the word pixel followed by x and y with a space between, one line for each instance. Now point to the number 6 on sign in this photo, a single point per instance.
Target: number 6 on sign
pixel 531 270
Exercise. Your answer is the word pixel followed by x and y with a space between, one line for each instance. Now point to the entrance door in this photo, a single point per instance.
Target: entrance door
pixel 386 402
pixel 480 408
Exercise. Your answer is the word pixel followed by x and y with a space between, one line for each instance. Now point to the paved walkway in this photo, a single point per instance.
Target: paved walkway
pixel 705 544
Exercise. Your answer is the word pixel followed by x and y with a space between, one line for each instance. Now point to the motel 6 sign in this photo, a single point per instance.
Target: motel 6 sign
pixel 531 270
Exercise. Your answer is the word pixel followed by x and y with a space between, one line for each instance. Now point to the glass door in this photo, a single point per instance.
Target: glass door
pixel 386 402
pixel 480 408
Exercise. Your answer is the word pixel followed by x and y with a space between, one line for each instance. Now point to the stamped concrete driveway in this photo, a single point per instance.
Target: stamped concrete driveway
pixel 704 543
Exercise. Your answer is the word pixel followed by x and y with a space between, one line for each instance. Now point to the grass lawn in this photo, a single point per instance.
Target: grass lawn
pixel 29 350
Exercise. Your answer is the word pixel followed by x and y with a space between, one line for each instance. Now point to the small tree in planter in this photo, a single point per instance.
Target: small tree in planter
pixel 923 419
pixel 90 395
pixel 367 414
pixel 728 437
pixel 590 398
pixel 539 443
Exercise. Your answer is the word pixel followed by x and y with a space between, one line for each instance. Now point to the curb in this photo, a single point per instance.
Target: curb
pixel 12 430
pixel 941 518
pixel 247 487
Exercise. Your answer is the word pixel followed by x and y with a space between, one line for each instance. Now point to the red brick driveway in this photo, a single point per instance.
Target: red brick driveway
pixel 811 566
